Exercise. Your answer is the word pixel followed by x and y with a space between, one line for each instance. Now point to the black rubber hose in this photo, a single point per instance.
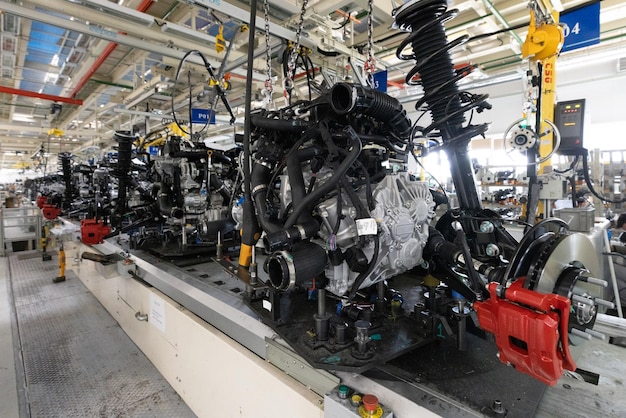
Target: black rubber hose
pixel 285 125
pixel 315 195
pixel 219 186
pixel 286 269
pixel 259 178
pixel 165 206
pixel 294 172
pixel 349 98
pixel 590 183
pixel 370 267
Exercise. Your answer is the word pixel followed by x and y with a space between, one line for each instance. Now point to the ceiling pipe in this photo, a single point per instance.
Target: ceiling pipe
pixel 20 92
pixel 144 6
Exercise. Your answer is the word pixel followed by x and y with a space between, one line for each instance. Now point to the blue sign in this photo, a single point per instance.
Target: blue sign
pixel 581 27
pixel 203 116
pixel 380 81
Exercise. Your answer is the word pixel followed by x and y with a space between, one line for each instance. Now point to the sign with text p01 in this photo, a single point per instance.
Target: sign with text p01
pixel 203 116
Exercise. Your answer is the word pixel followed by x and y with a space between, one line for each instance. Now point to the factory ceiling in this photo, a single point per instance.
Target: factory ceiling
pixel 74 71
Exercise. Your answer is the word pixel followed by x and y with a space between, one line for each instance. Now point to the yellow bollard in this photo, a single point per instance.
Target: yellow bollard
pixel 61 277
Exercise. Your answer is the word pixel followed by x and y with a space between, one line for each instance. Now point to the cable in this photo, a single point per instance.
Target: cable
pixel 585 154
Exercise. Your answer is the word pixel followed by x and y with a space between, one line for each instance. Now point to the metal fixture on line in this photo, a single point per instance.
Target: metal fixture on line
pixel 519 136
pixel 547 270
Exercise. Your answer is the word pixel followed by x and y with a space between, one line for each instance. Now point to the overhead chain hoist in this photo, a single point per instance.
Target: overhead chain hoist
pixel 288 80
pixel 369 66
pixel 268 87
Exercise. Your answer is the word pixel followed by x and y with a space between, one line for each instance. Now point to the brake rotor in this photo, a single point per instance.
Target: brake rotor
pixel 567 251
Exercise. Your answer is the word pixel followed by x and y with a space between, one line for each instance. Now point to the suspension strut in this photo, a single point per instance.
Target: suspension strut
pixel 65 160
pixel 122 171
pixel 425 19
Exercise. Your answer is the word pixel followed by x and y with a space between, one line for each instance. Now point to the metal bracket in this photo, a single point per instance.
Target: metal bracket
pixel 319 381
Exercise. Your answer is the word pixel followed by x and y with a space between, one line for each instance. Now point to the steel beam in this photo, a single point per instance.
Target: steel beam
pixel 113 36
pixel 24 129
pixel 27 93
pixel 310 41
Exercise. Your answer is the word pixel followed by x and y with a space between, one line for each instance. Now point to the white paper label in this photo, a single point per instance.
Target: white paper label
pixel 157 312
pixel 366 226
pixel 267 305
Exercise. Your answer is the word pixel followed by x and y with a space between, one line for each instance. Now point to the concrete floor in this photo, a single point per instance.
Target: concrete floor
pixel 8 383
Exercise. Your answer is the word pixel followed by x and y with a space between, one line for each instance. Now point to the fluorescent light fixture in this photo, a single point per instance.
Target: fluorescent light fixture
pixel 21 117
pixel 186 32
pixel 55 60
pixel 50 78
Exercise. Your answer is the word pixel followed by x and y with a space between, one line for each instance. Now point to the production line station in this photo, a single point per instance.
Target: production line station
pixel 313 209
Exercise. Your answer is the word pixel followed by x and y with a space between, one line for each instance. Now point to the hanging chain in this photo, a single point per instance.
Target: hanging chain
pixel 369 66
pixel 268 57
pixel 291 66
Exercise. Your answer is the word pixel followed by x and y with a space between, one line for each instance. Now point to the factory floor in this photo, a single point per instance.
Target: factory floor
pixel 63 355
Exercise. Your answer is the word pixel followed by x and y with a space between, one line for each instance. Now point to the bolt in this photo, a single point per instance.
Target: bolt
pixel 497 407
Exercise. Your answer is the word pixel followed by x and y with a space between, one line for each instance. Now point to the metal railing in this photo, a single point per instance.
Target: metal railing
pixel 20 224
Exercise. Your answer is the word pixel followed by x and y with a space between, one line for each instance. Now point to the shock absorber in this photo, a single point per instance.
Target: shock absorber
pixel 124 157
pixel 425 19
pixel 65 161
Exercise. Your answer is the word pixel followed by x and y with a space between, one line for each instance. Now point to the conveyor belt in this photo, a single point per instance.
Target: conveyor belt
pixel 77 360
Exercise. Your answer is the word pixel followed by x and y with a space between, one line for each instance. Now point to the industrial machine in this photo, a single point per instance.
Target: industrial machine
pixel 350 235
pixel 342 253
pixel 192 198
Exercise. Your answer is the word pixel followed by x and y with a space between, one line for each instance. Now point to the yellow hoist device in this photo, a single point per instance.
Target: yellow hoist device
pixel 541 47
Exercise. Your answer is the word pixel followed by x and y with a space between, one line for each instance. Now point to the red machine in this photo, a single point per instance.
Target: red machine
pixel 535 340
pixel 41 200
pixel 50 211
pixel 93 231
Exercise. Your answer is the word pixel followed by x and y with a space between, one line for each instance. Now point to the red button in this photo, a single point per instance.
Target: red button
pixel 370 402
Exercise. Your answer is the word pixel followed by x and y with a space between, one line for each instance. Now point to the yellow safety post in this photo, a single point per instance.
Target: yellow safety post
pixel 61 277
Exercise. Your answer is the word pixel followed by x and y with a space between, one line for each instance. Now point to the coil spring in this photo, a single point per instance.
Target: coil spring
pixel 65 163
pixel 425 20
pixel 65 160
pixel 124 152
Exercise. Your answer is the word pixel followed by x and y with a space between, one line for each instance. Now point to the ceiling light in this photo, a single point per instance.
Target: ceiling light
pixel 186 32
pixel 21 117
pixel 50 78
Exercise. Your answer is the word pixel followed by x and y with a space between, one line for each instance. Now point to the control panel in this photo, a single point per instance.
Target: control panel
pixel 569 118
